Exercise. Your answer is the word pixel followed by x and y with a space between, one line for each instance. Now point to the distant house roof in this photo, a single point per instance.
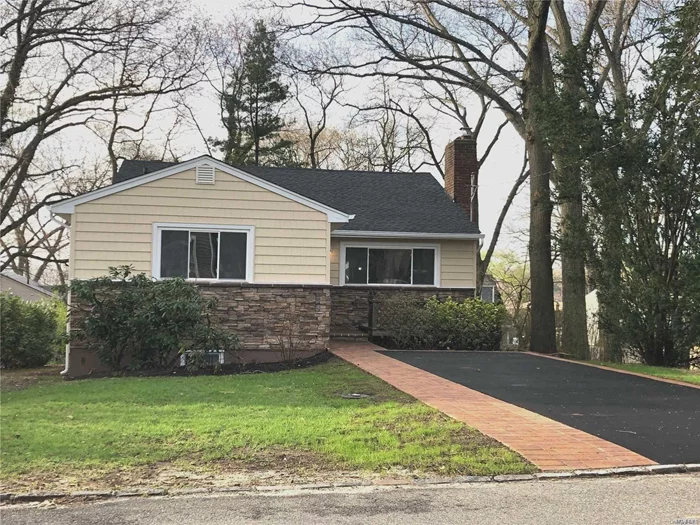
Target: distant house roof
pixel 380 202
pixel 26 282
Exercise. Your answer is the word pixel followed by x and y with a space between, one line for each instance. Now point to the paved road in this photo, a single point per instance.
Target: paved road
pixel 647 499
pixel 658 420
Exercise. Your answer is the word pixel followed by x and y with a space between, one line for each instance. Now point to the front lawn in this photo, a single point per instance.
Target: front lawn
pixel 679 374
pixel 241 421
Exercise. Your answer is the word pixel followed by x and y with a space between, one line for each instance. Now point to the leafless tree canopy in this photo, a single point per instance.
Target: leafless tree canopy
pixel 501 52
pixel 75 65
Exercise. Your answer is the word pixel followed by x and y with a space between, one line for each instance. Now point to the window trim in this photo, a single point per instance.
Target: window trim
pixel 390 246
pixel 158 228
pixel 493 292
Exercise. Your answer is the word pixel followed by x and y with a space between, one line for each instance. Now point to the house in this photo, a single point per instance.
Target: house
pixel 281 246
pixel 23 287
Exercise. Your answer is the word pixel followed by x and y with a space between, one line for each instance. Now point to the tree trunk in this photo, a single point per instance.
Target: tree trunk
pixel 574 337
pixel 543 328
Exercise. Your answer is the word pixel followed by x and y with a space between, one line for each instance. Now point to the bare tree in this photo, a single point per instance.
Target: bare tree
pixel 511 274
pixel 502 52
pixel 315 97
pixel 66 63
pixel 485 261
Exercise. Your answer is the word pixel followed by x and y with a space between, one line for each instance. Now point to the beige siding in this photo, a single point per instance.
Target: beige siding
pixel 458 268
pixel 291 239
pixel 457 261
pixel 335 260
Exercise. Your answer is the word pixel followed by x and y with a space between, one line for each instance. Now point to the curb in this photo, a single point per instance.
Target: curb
pixel 27 497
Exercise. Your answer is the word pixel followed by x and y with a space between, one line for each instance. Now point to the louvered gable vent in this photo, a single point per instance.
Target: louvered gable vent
pixel 204 175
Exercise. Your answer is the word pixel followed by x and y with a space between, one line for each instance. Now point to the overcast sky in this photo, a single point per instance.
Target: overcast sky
pixel 496 176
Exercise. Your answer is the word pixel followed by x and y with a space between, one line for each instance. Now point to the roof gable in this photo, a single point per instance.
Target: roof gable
pixel 68 206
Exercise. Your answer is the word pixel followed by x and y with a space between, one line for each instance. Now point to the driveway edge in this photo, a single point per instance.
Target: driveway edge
pixel 33 497
pixel 619 370
pixel 547 443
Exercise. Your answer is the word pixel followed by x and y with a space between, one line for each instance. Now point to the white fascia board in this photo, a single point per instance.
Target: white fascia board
pixel 407 235
pixel 68 206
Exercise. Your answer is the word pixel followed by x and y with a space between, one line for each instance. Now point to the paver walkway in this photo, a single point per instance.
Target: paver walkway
pixel 548 444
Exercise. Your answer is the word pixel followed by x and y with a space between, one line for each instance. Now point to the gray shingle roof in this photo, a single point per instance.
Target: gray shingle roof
pixel 391 202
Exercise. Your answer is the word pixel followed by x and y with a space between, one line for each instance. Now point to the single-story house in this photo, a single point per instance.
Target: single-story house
pixel 282 245
pixel 23 287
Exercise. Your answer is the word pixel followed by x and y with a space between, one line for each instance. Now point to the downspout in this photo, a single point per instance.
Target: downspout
pixel 64 372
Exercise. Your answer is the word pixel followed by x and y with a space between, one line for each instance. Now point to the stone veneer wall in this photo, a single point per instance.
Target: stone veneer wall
pixel 260 313
pixel 350 304
pixel 257 313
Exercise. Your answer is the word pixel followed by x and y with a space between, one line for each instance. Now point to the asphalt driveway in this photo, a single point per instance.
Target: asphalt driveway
pixel 658 420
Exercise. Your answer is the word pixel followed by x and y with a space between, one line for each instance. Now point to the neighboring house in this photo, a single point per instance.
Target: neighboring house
pixel 282 246
pixel 23 287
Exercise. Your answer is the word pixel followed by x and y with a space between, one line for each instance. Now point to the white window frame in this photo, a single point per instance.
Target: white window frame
pixel 158 228
pixel 493 292
pixel 389 246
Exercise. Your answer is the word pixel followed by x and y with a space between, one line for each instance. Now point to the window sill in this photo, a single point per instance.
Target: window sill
pixel 379 285
pixel 207 281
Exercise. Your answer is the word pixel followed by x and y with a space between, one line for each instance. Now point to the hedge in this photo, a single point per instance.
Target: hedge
pixel 468 325
pixel 32 332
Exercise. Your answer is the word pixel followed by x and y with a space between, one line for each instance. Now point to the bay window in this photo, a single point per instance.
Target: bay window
pixel 399 265
pixel 216 253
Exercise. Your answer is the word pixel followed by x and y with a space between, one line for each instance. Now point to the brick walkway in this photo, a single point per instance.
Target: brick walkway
pixel 547 443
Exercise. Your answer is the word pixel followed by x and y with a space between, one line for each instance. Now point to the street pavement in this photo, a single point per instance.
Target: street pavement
pixel 654 499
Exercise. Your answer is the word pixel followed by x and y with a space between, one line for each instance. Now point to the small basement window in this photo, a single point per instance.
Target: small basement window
pixel 210 358
pixel 391 266
pixel 209 254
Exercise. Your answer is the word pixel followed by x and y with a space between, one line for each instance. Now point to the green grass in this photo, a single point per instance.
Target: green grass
pixel 679 374
pixel 115 423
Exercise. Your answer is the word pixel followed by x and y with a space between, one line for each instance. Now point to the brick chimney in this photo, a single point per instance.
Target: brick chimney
pixel 462 174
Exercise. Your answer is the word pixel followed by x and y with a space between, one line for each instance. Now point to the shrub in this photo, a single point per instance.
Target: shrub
pixel 468 325
pixel 292 340
pixel 32 332
pixel 150 322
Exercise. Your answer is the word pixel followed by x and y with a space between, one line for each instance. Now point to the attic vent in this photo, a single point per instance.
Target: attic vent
pixel 204 175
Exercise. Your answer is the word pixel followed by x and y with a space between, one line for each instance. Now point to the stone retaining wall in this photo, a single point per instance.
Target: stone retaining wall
pixel 260 314
pixel 350 304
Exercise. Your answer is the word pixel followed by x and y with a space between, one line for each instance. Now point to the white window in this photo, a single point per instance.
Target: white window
pixel 488 294
pixel 397 265
pixel 222 253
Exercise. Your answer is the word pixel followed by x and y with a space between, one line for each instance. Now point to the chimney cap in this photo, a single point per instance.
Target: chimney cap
pixel 468 134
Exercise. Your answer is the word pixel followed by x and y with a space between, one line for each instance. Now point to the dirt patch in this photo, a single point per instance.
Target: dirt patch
pixel 220 370
pixel 11 380
pixel 264 468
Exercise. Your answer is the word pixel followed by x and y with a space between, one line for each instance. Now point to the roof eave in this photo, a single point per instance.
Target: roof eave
pixel 406 235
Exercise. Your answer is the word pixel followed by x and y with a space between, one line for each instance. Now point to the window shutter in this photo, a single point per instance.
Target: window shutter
pixel 204 175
